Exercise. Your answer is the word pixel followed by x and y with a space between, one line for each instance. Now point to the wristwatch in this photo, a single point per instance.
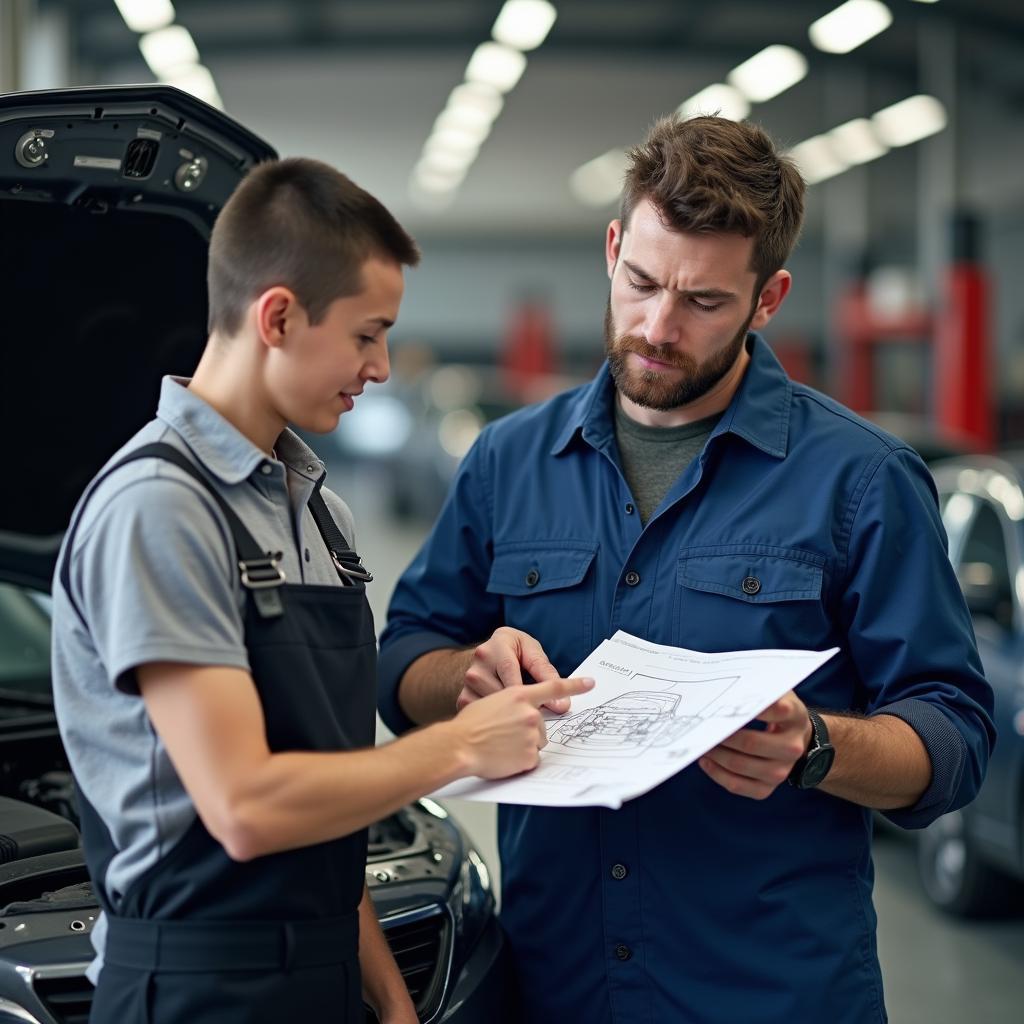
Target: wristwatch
pixel 811 769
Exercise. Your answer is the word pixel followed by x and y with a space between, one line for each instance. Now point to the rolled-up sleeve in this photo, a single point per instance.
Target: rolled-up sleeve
pixel 910 634
pixel 441 600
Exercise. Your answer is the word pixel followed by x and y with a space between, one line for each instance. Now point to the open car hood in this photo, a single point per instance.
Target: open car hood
pixel 107 199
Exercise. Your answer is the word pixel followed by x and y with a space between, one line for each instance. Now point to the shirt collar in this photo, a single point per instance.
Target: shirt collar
pixel 219 445
pixel 589 414
pixel 758 412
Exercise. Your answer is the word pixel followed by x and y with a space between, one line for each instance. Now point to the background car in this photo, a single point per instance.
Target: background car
pixel 107 197
pixel 413 432
pixel 971 861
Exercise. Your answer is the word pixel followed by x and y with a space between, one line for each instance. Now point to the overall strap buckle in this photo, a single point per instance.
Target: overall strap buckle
pixel 352 569
pixel 346 561
pixel 260 576
pixel 260 573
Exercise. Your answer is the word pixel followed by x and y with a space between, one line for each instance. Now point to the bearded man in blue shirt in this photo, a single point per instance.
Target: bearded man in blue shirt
pixel 693 495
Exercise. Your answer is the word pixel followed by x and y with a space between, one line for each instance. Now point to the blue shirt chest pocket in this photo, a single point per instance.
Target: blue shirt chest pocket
pixel 547 590
pixel 743 596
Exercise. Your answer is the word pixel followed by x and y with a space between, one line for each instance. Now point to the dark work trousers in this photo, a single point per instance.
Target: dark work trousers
pixel 200 938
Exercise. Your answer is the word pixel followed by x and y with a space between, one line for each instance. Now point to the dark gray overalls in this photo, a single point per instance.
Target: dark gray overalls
pixel 200 938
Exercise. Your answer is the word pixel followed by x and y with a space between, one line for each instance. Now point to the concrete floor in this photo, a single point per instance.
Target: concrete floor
pixel 936 970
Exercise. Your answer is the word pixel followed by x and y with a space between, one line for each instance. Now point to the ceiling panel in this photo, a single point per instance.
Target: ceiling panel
pixel 360 83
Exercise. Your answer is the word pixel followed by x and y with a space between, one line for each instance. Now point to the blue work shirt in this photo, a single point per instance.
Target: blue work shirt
pixel 691 904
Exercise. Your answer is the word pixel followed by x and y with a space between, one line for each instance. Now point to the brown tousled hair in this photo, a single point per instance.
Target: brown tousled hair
pixel 301 224
pixel 710 174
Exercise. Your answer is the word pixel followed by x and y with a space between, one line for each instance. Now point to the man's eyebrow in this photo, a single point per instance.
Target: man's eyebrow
pixel 637 271
pixel 709 293
pixel 696 293
pixel 382 320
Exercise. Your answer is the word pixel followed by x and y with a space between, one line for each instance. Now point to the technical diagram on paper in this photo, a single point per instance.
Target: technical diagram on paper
pixel 654 710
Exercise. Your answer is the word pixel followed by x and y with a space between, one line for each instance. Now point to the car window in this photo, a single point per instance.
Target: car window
pixel 984 568
pixel 24 642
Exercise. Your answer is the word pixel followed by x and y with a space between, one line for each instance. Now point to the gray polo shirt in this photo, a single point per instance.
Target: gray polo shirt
pixel 153 571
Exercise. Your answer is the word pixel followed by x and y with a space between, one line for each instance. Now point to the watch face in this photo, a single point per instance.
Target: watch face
pixel 818 763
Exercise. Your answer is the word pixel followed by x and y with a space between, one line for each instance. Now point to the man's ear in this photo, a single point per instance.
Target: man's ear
pixel 773 291
pixel 276 312
pixel 612 245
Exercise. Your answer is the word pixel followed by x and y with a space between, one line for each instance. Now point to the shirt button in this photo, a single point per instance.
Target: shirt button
pixel 266 469
pixel 309 469
pixel 532 578
pixel 751 585
pixel 619 871
pixel 307 554
pixel 632 578
pixel 629 508
pixel 623 952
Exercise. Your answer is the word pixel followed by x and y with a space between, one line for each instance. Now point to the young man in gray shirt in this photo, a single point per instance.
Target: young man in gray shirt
pixel 214 655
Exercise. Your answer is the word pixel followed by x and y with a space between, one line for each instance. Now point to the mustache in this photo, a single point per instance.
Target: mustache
pixel 632 343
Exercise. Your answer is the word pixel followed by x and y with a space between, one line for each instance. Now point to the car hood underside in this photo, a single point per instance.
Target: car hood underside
pixel 107 197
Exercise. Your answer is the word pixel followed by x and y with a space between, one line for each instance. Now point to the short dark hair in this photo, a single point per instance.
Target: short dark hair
pixel 710 174
pixel 302 224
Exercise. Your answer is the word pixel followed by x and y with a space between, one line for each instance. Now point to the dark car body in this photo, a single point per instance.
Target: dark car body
pixel 107 198
pixel 972 861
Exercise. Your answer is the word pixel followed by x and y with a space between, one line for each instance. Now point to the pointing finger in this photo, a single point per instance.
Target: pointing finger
pixel 553 689
pixel 558 707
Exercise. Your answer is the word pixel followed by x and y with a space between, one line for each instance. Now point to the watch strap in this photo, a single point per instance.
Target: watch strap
pixel 819 741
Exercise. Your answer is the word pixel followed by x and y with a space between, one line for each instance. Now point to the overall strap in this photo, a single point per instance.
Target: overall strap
pixel 346 561
pixel 259 571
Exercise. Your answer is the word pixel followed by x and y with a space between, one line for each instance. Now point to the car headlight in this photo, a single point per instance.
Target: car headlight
pixel 472 900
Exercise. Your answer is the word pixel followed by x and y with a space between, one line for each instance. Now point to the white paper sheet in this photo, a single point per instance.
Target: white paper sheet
pixel 654 710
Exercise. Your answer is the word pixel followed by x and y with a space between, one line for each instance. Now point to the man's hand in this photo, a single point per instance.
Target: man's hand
pixel 503 735
pixel 752 762
pixel 500 662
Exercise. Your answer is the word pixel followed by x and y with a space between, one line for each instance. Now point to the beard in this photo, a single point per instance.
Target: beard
pixel 653 390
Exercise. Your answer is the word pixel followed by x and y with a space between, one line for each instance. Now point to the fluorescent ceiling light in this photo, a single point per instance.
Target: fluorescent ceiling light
pixel 910 120
pixel 524 24
pixel 484 101
pixel 768 73
pixel 146 15
pixel 168 49
pixel 431 178
pixel 198 81
pixel 849 25
pixel 447 161
pixel 469 122
pixel 497 65
pixel 599 181
pixel 856 142
pixel 723 100
pixel 817 159
pixel 926 1
pixel 429 181
pixel 455 139
pixel 432 195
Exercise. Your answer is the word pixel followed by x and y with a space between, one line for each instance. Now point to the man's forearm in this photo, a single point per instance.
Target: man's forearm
pixel 431 684
pixel 880 761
